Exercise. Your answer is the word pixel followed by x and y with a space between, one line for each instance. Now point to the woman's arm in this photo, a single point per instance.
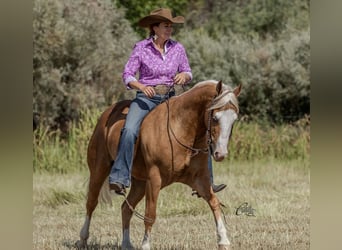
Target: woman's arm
pixel 147 90
pixel 181 78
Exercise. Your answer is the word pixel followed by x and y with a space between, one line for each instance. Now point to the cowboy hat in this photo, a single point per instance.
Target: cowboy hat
pixel 160 15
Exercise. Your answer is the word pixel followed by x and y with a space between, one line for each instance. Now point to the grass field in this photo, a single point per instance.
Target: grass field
pixel 278 191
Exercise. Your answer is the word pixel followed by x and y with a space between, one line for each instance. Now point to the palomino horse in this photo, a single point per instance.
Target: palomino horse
pixel 173 146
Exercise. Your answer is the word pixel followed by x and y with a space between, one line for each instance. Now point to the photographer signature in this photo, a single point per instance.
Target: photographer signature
pixel 246 209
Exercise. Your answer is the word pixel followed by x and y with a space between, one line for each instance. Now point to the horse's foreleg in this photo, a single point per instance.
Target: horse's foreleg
pixel 221 231
pixel 152 191
pixel 135 195
pixel 205 190
pixel 97 178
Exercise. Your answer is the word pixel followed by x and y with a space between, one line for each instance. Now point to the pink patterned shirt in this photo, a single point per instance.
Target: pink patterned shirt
pixel 153 67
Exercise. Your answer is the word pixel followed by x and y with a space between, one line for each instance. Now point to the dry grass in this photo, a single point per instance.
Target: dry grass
pixel 278 191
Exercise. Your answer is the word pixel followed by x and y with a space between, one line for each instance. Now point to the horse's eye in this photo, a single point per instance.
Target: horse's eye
pixel 215 119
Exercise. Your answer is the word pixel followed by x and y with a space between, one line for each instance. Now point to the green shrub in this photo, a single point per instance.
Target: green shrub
pixel 264 45
pixel 248 17
pixel 135 10
pixel 275 73
pixel 80 48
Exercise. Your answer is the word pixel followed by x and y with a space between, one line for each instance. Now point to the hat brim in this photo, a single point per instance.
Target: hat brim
pixel 148 20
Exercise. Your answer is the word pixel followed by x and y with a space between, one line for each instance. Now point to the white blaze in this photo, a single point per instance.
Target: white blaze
pixel 226 119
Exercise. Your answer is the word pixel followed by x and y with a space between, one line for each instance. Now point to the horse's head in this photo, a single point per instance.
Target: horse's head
pixel 223 112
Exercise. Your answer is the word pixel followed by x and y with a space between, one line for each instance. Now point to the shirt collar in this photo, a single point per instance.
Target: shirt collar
pixel 169 43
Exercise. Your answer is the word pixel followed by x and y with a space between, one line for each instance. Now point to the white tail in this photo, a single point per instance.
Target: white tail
pixel 105 195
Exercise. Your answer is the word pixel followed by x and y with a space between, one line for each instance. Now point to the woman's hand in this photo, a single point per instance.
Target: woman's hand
pixel 181 78
pixel 148 91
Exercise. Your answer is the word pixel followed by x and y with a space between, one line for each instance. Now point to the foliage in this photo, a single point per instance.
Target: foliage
pixel 136 10
pixel 250 141
pixel 275 73
pixel 53 154
pixel 264 17
pixel 80 48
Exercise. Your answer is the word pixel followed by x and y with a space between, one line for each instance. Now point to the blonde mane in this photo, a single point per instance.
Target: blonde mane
pixel 227 95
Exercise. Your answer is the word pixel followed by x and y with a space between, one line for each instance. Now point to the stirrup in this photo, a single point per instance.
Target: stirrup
pixel 118 188
pixel 216 189
pixel 194 192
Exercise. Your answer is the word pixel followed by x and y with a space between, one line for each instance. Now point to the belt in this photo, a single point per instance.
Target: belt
pixel 162 89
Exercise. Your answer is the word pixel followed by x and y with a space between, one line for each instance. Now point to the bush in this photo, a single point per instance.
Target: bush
pixel 80 48
pixel 265 45
pixel 135 10
pixel 249 17
pixel 275 73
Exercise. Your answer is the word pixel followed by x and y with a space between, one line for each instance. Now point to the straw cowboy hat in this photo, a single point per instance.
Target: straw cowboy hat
pixel 160 15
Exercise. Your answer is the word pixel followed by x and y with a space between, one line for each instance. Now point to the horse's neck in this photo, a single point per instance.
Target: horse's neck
pixel 190 109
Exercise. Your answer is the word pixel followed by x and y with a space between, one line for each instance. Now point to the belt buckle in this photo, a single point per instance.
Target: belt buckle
pixel 161 89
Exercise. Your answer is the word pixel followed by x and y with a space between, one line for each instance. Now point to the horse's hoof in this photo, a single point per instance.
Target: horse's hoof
pixel 224 247
pixel 127 247
pixel 81 244
pixel 145 247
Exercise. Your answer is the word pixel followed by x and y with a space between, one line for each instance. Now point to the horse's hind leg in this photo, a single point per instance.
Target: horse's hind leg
pixel 98 175
pixel 136 193
pixel 152 191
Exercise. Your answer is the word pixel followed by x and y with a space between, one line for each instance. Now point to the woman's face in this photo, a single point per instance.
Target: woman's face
pixel 163 30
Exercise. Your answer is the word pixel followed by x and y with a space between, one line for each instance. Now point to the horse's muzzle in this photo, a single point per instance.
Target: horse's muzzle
pixel 218 156
pixel 216 153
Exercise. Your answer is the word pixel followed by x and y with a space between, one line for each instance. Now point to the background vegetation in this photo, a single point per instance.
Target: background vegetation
pixel 80 48
pixel 79 51
pixel 250 142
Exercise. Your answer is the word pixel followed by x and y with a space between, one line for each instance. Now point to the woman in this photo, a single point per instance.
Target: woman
pixel 161 62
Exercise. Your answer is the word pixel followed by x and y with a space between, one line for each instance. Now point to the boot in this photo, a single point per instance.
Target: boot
pixel 118 188
pixel 216 188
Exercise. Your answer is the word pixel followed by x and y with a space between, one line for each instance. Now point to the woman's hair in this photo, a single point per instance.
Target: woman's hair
pixel 152 33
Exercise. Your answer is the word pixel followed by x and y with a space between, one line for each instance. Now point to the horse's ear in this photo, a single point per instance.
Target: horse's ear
pixel 237 90
pixel 219 87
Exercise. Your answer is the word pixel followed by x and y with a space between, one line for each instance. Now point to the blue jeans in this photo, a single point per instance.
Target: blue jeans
pixel 139 108
pixel 210 167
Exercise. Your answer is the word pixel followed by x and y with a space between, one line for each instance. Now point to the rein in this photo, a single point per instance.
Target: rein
pixel 195 151
pixel 137 214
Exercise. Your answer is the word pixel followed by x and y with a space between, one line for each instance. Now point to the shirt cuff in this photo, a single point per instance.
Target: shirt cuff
pixel 190 75
pixel 128 80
